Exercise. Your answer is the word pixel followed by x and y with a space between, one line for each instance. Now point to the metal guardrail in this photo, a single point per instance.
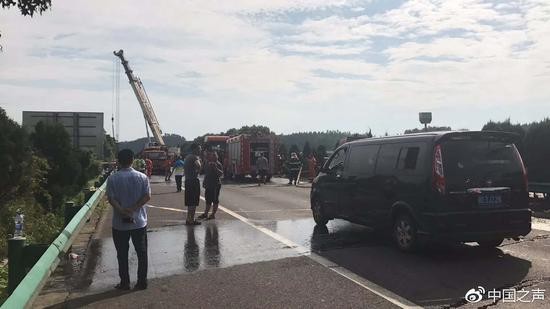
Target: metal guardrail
pixel 539 187
pixel 25 293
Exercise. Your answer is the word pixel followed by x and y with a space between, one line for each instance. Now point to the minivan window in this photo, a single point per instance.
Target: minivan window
pixel 338 158
pixel 408 158
pixel 387 159
pixel 362 159
pixel 468 164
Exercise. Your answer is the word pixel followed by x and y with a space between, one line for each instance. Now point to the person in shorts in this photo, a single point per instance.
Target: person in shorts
pixel 212 184
pixel 192 167
pixel 263 167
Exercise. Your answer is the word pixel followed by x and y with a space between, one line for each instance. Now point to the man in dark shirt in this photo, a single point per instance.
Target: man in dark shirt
pixel 212 184
pixel 191 167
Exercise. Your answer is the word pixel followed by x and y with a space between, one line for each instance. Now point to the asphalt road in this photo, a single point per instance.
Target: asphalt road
pixel 264 250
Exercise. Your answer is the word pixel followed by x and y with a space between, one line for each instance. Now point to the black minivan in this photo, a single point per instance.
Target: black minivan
pixel 450 186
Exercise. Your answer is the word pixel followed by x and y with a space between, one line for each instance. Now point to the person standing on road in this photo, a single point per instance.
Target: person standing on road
pixel 128 191
pixel 262 165
pixel 192 167
pixel 293 167
pixel 311 167
pixel 178 172
pixel 167 169
pixel 149 167
pixel 212 184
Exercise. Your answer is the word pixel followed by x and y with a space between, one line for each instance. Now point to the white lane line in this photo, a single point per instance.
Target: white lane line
pixel 373 287
pixel 167 208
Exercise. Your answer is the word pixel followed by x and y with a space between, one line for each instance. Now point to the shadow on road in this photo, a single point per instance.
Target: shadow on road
pixel 436 275
pixel 90 299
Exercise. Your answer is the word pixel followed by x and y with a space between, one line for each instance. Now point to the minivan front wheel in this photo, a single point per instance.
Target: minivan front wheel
pixel 318 216
pixel 404 232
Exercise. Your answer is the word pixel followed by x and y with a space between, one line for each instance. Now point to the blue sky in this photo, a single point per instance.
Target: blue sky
pixel 291 65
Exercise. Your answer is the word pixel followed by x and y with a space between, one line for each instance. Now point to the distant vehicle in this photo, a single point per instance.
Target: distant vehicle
pixel 242 152
pixel 452 186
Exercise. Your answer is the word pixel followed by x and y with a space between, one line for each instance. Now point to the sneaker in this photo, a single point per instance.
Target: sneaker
pixel 203 216
pixel 140 286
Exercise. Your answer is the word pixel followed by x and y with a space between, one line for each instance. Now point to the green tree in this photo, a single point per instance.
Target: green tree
pixel 294 148
pixel 429 129
pixel 307 150
pixel 283 150
pixel 507 126
pixel 27 7
pixel 537 151
pixel 65 176
pixel 14 158
pixel 109 148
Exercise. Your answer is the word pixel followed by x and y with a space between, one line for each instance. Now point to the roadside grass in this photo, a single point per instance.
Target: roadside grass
pixel 3 282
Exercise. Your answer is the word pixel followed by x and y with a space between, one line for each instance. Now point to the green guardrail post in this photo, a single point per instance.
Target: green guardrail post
pixel 16 264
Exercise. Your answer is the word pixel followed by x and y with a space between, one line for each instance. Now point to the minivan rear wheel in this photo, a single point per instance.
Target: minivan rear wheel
pixel 491 243
pixel 404 232
pixel 318 216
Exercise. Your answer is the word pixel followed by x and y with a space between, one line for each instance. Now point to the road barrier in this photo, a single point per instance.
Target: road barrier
pixel 27 290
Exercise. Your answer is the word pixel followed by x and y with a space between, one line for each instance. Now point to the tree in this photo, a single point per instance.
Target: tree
pixel 321 153
pixel 54 144
pixel 307 150
pixel 27 7
pixel 283 151
pixel 109 148
pixel 294 148
pixel 14 157
pixel 429 129
pixel 507 126
pixel 537 151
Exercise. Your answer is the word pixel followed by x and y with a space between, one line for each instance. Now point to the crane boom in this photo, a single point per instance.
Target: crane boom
pixel 143 99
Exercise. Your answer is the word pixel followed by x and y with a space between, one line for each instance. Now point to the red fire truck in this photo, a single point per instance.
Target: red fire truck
pixel 242 152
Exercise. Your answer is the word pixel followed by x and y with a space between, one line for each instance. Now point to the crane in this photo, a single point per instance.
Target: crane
pixel 143 100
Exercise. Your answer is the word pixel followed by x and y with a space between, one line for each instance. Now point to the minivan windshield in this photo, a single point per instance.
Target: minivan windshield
pixel 478 163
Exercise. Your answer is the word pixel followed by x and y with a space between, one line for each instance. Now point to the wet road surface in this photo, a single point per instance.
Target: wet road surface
pixel 439 276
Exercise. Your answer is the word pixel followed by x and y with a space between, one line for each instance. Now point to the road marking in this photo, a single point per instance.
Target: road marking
pixel 167 208
pixel 373 287
pixel 271 210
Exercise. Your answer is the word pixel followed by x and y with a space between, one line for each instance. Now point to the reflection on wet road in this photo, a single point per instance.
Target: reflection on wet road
pixel 180 249
pixel 439 275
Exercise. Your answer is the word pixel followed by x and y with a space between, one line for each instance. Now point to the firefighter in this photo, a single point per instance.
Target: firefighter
pixel 293 166
pixel 311 166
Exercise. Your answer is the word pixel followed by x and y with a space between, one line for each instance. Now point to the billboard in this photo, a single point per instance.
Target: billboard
pixel 85 129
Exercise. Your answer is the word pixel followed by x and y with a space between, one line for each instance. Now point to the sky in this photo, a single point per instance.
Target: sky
pixel 292 65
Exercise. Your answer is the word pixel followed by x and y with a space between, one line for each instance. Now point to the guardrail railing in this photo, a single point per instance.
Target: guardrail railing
pixel 27 290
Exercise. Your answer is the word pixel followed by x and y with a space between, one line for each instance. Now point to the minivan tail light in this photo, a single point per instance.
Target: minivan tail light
pixel 438 174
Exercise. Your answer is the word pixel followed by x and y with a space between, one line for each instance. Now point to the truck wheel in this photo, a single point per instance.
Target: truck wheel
pixel 318 216
pixel 404 232
pixel 492 243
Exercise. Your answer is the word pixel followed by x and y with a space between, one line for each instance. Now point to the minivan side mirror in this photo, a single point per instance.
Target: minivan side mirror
pixel 338 166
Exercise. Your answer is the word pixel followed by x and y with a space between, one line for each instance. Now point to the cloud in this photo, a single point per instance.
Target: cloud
pixel 249 61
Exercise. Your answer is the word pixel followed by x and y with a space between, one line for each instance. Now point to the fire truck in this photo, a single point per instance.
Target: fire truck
pixel 156 151
pixel 243 151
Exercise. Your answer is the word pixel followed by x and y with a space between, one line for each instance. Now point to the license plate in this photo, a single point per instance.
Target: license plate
pixel 489 200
